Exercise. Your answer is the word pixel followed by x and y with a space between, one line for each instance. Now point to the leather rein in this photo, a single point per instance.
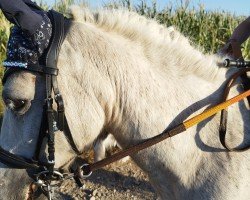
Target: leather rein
pixel 45 171
pixel 244 68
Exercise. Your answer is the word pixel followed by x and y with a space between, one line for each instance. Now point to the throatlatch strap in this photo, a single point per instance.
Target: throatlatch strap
pixel 68 135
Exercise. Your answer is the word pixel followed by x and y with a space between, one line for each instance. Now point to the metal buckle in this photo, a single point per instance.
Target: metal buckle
pixel 58 97
pixel 45 176
pixel 59 101
pixel 49 101
pixel 60 111
pixel 85 168
pixel 55 128
pixel 45 179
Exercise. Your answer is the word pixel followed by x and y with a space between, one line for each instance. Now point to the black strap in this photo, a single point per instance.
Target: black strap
pixel 224 113
pixel 15 161
pixel 50 123
pixel 42 134
pixel 33 68
pixel 57 39
pixel 68 135
pixel 48 66
pixel 51 60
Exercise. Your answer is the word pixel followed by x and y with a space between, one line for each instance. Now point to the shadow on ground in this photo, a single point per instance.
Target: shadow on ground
pixel 119 182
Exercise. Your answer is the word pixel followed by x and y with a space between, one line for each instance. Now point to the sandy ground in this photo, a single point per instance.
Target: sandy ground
pixel 118 181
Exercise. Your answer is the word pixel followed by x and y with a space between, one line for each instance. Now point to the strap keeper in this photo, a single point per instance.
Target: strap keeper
pixel 60 111
pixel 60 120
pixel 59 100
pixel 49 102
pixel 50 70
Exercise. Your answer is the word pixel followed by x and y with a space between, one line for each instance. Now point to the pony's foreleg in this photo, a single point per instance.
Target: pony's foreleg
pixel 104 143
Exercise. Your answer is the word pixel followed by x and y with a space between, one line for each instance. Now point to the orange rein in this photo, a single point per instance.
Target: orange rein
pixel 212 111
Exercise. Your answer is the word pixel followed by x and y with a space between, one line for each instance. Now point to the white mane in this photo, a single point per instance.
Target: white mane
pixel 157 41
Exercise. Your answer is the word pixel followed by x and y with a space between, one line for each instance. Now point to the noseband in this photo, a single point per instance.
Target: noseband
pixel 52 120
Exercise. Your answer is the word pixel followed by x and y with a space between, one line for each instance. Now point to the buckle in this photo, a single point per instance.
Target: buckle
pixel 85 171
pixel 49 101
pixel 47 181
pixel 58 97
pixel 60 111
pixel 55 128
pixel 59 102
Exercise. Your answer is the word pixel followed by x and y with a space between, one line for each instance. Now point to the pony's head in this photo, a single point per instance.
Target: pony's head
pixel 23 94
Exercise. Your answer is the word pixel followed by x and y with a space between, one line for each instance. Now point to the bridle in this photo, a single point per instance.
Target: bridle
pixel 45 172
pixel 52 121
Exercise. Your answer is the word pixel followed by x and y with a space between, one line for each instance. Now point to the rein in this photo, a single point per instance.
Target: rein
pixel 45 171
pixel 180 128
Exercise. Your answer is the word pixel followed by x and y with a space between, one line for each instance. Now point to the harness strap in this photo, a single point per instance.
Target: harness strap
pixel 69 136
pixel 50 123
pixel 42 134
pixel 59 30
pixel 15 161
pixel 51 58
pixel 34 68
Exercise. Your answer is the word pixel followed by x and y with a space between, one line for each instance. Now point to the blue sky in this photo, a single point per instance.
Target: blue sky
pixel 239 7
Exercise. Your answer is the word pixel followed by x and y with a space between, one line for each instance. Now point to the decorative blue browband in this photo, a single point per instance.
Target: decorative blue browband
pixel 12 66
pixel 15 64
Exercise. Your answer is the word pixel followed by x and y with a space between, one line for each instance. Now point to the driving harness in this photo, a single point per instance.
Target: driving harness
pixel 44 172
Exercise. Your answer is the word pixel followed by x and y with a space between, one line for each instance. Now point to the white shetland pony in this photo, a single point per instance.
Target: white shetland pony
pixel 127 75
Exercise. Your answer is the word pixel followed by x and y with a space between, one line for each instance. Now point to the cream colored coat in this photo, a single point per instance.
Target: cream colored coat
pixel 127 75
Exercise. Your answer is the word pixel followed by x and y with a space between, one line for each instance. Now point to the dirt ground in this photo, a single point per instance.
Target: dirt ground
pixel 118 181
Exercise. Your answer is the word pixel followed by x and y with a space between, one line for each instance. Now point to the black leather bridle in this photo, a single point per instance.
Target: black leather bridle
pixel 51 120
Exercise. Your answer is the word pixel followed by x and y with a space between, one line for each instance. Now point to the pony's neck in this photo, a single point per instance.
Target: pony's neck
pixel 157 89
pixel 152 100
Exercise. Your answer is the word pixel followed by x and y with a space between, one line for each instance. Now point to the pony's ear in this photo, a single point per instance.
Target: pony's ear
pixel 80 14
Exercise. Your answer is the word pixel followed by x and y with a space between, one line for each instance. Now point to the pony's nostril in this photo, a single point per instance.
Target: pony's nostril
pixel 15 104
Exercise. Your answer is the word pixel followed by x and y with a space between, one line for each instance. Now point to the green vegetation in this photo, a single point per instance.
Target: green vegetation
pixel 208 30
